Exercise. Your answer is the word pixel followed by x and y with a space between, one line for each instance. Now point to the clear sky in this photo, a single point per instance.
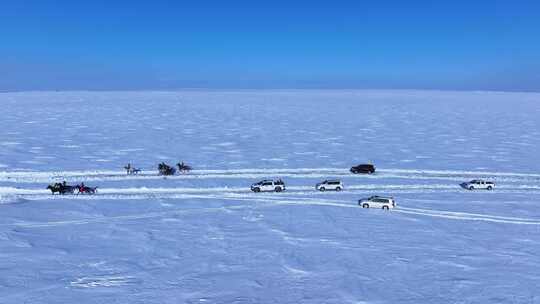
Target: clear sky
pixel 109 45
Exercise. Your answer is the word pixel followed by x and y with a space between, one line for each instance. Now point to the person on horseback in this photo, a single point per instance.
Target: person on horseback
pixel 128 168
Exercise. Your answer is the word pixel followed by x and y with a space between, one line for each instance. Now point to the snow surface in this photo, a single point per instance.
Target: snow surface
pixel 203 237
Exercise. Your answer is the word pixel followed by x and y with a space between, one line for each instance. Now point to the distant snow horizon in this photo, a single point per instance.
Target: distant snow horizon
pixel 270 90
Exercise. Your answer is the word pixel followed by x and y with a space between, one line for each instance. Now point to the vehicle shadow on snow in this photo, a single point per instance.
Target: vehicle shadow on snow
pixel 464 186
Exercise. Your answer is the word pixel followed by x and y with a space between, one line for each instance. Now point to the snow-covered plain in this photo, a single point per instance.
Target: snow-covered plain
pixel 203 237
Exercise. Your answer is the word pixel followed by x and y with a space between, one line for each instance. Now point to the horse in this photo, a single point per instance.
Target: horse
pixel 61 189
pixel 131 170
pixel 55 188
pixel 165 169
pixel 183 168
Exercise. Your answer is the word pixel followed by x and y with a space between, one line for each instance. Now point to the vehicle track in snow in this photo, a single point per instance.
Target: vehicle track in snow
pixel 466 216
pixel 272 201
pixel 260 173
pixel 507 182
pixel 171 192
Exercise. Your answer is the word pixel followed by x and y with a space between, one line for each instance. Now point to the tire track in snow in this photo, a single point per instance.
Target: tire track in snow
pixel 118 175
pixel 276 200
pixel 47 176
pixel 467 216
pixel 171 192
pixel 424 212
pixel 270 201
pixel 459 172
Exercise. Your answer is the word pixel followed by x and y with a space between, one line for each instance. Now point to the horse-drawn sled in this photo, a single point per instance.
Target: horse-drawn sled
pixel 165 169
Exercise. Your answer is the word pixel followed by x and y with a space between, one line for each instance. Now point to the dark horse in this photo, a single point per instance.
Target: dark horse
pixel 183 168
pixel 132 170
pixel 165 169
pixel 61 188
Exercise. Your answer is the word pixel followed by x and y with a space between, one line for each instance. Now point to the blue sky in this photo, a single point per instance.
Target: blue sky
pixel 107 45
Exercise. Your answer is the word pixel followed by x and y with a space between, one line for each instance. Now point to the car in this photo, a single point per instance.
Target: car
pixel 478 184
pixel 268 185
pixel 386 203
pixel 333 184
pixel 363 168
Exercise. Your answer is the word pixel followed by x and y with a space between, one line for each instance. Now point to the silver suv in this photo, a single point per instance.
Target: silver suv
pixel 378 202
pixel 478 184
pixel 268 185
pixel 333 184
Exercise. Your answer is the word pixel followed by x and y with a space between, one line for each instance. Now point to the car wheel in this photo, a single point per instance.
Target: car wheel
pixel 257 190
pixel 365 206
pixel 322 189
pixel 490 188
pixel 385 208
pixel 338 189
pixel 471 188
pixel 278 189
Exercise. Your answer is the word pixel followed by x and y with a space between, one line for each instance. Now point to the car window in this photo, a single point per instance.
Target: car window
pixel 267 184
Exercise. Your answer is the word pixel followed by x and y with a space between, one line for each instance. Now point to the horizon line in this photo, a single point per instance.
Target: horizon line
pixel 266 89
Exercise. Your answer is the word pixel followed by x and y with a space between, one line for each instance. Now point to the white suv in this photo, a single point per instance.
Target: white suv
pixel 378 202
pixel 268 185
pixel 330 185
pixel 478 184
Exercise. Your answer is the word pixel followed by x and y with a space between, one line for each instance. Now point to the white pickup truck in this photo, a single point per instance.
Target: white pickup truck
pixel 268 186
pixel 478 184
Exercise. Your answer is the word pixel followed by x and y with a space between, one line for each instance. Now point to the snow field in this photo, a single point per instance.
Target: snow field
pixel 203 237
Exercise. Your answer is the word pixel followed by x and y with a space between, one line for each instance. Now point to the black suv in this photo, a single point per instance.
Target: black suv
pixel 364 168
